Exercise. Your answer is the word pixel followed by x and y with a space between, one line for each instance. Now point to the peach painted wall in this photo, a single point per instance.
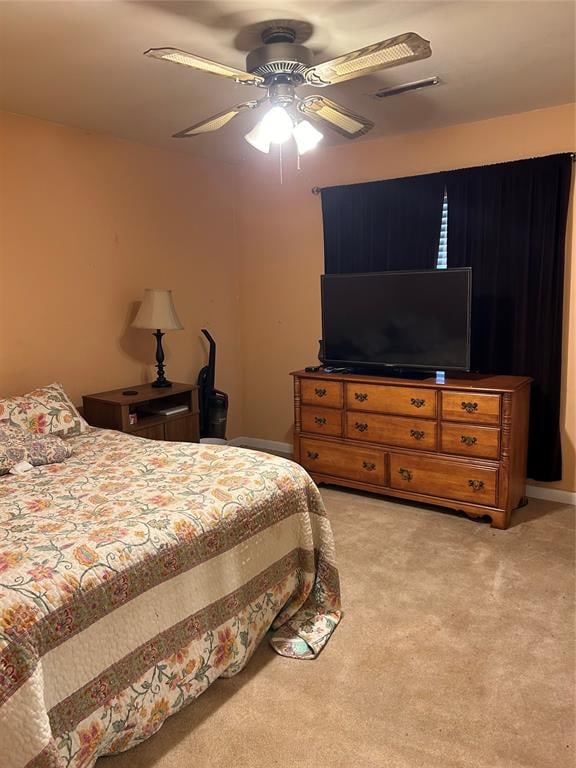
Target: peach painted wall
pixel 86 223
pixel 280 229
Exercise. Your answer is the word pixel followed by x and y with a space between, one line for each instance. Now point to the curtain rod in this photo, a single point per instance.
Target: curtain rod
pixel 318 190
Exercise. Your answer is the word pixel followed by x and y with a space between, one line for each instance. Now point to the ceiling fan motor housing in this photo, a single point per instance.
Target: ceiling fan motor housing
pixel 280 62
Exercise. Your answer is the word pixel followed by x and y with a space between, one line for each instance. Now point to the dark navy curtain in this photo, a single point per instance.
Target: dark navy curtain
pixel 383 225
pixel 508 222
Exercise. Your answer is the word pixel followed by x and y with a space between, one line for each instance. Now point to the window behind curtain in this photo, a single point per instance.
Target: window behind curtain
pixel 442 258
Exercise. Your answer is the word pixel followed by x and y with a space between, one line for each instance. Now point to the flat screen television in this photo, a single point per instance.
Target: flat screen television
pixel 413 320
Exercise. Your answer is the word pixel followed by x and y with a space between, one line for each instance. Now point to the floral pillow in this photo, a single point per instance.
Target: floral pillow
pixel 17 445
pixel 44 411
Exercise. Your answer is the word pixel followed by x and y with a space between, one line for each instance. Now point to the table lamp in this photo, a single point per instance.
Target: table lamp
pixel 157 312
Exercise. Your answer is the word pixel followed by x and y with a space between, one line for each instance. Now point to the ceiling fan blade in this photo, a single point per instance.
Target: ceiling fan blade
pixel 335 116
pixel 216 121
pixel 177 56
pixel 401 49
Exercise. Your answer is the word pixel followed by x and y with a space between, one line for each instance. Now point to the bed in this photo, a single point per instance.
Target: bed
pixel 135 573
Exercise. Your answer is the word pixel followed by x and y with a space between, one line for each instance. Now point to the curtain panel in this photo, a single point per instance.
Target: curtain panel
pixel 383 225
pixel 508 222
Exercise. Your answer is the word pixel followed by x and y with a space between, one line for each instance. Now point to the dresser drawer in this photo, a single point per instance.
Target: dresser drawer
pixel 402 401
pixel 392 430
pixel 447 479
pixel 338 460
pixel 474 407
pixel 320 392
pixel 470 440
pixel 324 421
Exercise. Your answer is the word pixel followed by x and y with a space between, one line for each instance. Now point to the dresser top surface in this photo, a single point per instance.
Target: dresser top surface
pixel 464 381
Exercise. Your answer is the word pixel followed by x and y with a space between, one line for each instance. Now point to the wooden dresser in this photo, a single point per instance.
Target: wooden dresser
pixel 460 445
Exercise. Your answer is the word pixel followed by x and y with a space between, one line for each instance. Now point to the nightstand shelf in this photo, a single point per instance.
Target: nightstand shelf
pixel 117 410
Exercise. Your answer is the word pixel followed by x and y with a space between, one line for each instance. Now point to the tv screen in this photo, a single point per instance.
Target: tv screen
pixel 403 320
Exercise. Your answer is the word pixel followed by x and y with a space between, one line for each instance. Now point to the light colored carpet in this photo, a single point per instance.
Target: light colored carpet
pixel 456 651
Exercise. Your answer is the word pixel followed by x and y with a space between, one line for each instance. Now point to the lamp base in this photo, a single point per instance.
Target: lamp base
pixel 161 380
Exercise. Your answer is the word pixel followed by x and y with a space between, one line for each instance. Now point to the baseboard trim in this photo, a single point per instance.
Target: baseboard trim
pixel 551 494
pixel 262 445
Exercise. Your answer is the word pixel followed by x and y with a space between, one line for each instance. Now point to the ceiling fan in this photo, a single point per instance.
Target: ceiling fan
pixel 280 66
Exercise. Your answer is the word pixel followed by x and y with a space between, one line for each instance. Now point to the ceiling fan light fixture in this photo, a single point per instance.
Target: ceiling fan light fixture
pixel 277 125
pixel 306 136
pixel 258 138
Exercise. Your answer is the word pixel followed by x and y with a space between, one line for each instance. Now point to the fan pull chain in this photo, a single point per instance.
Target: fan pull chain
pixel 297 161
pixel 280 156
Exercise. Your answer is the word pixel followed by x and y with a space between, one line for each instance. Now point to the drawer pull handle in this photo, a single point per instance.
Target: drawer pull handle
pixel 405 474
pixel 361 426
pixel 361 396
pixel 469 407
pixel 312 454
pixel 417 402
pixel 320 392
pixel 417 434
pixel 476 485
pixel 468 439
pixel 319 420
pixel 369 466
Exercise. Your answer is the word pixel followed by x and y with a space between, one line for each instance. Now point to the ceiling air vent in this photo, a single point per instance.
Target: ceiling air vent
pixel 406 88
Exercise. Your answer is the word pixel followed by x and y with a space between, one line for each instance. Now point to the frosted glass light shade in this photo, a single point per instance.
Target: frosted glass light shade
pixel 258 138
pixel 277 125
pixel 274 128
pixel 306 136
pixel 157 311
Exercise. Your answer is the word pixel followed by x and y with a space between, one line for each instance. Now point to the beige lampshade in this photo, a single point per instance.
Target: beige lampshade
pixel 157 311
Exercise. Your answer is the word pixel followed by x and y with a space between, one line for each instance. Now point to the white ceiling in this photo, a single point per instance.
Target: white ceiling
pixel 80 62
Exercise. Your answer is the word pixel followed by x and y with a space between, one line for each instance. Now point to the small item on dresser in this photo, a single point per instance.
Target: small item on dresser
pixel 331 369
pixel 132 418
pixel 312 368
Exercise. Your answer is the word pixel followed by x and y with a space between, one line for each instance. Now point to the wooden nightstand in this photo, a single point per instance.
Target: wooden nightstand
pixel 118 408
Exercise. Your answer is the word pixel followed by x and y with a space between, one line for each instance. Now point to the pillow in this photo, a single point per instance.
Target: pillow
pixel 17 445
pixel 44 411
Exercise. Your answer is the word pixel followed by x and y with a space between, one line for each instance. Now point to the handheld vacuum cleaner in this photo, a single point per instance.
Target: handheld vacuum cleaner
pixel 213 403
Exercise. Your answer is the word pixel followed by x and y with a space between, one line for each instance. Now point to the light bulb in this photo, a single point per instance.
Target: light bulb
pixel 258 138
pixel 306 136
pixel 277 125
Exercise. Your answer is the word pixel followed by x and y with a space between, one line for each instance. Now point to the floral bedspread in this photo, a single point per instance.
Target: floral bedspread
pixel 134 574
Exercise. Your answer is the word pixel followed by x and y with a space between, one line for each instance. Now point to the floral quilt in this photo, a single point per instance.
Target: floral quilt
pixel 134 574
